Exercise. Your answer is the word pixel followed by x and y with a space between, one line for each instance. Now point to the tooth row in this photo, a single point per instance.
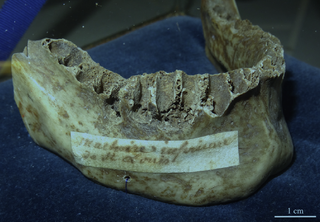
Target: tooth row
pixel 160 94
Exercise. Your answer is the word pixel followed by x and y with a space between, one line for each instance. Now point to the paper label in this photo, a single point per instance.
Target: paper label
pixel 177 156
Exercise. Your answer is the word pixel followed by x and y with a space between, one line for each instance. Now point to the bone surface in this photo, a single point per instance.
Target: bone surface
pixel 105 125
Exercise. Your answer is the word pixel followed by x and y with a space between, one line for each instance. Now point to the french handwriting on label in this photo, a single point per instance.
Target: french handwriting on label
pixel 177 156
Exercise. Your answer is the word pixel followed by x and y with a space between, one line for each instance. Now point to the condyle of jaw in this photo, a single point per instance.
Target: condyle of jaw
pixel 59 89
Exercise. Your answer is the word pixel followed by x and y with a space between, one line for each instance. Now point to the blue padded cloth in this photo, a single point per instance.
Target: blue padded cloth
pixel 37 185
pixel 15 18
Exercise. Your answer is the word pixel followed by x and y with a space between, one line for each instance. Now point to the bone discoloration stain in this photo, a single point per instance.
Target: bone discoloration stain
pixel 177 135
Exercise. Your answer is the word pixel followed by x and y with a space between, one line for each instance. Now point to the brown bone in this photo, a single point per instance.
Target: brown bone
pixel 59 90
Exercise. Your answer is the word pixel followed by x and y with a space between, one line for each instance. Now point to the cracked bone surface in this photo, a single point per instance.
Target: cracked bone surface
pixel 163 132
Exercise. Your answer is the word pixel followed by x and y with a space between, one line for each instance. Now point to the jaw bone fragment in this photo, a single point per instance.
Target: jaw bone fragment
pixel 163 132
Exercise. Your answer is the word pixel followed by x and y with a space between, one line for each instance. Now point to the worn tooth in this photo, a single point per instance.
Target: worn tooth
pixel 130 93
pixel 194 140
pixel 148 92
pixel 165 91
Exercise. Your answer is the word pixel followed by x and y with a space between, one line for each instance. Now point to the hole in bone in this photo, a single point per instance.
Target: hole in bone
pixel 67 54
pixel 80 76
pixel 99 87
pixel 136 107
pixel 74 58
pixel 46 42
pixel 60 61
pixel 157 116
pixel 110 101
pixel 231 85
pixel 49 46
pixel 67 60
pixel 214 105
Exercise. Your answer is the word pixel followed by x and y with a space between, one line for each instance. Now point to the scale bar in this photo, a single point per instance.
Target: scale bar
pixel 295 216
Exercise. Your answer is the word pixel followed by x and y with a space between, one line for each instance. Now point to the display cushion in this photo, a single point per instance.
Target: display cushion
pixel 37 185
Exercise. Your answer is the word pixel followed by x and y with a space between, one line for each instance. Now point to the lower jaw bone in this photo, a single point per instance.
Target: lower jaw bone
pixel 193 140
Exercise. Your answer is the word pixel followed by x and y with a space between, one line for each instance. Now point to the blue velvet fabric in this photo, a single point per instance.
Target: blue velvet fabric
pixel 37 185
pixel 15 18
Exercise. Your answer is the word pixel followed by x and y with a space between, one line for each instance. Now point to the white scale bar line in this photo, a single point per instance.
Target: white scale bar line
pixel 295 216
